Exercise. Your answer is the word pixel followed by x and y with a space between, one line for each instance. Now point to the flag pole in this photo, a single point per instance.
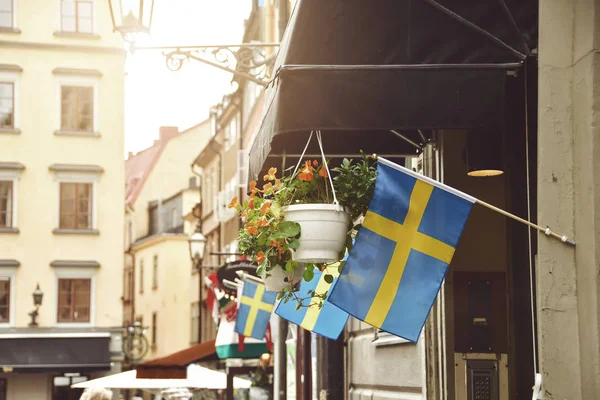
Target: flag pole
pixel 249 277
pixel 547 231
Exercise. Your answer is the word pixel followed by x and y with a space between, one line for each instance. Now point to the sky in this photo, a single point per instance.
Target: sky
pixel 156 96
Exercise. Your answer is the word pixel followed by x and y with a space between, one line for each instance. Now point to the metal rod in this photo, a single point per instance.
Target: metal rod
pixel 405 139
pixel 230 283
pixel 249 277
pixel 477 28
pixel 210 46
pixel 300 67
pixel 547 231
pixel 422 136
pixel 222 253
pixel 272 155
pixel 235 72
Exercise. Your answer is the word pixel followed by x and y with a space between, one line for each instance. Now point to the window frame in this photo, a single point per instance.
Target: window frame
pixel 76 31
pixel 13 20
pixel 195 322
pixel 154 330
pixel 76 273
pixel 141 277
pixel 155 272
pixel 77 81
pixel 13 78
pixel 12 176
pixel 10 273
pixel 12 204
pixel 77 177
pixel 76 212
pixel 78 117
pixel 74 303
pixel 94 225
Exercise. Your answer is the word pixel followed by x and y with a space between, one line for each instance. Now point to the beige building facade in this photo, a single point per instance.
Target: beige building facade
pixel 61 185
pixel 160 282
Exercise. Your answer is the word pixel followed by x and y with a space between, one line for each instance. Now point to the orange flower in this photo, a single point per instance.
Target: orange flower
pixel 262 222
pixel 267 186
pixel 246 213
pixel 252 196
pixel 253 186
pixel 233 203
pixel 251 230
pixel 251 205
pixel 265 207
pixel 323 172
pixel 260 257
pixel 315 163
pixel 307 172
pixel 271 174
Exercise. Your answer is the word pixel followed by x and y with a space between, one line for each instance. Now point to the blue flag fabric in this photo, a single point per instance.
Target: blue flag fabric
pixel 254 310
pixel 329 321
pixel 402 252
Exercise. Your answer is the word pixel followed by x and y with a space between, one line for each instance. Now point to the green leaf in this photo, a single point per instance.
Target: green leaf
pixel 341 266
pixel 260 270
pixel 299 306
pixel 289 266
pixel 328 278
pixel 308 274
pixel 289 228
pixel 294 244
pixel 262 239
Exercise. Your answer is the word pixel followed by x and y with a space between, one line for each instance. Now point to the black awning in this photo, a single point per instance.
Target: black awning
pixel 75 354
pixel 375 66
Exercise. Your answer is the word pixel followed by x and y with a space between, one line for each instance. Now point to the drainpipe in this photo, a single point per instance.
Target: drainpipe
pixel 199 267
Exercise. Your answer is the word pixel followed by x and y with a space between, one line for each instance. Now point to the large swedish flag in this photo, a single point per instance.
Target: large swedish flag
pixel 254 310
pixel 402 252
pixel 328 321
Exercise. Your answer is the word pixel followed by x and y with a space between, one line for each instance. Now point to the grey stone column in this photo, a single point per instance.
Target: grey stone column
pixel 568 279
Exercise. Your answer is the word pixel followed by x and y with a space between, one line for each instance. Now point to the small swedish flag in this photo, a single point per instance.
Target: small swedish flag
pixel 254 310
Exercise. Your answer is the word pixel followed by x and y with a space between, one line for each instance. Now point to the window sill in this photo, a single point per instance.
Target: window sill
pixel 77 35
pixel 76 133
pixel 9 230
pixel 76 232
pixel 9 29
pixel 10 131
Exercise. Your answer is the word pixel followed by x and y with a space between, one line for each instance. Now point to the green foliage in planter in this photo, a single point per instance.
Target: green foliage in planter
pixel 271 240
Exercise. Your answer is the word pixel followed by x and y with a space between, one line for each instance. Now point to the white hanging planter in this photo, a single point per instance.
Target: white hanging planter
pixel 324 228
pixel 276 281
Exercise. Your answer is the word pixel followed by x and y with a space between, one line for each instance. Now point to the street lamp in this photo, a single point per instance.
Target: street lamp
pixel 197 243
pixel 38 295
pixel 131 16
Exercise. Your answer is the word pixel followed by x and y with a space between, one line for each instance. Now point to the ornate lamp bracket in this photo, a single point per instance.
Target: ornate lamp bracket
pixel 248 60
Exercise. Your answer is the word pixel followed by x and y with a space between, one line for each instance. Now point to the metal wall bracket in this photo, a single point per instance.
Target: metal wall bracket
pixel 247 60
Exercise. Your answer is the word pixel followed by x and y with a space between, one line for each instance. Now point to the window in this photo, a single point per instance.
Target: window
pixel 6 204
pixel 77 108
pixel 141 276
pixel 76 206
pixel 4 303
pixel 6 21
pixel 127 284
pixel 61 387
pixel 195 314
pixel 231 134
pixel 153 329
pixel 7 101
pixel 155 272
pixel 74 297
pixel 77 16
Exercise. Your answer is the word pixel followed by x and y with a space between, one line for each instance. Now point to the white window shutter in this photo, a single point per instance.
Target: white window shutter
pixel 242 169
